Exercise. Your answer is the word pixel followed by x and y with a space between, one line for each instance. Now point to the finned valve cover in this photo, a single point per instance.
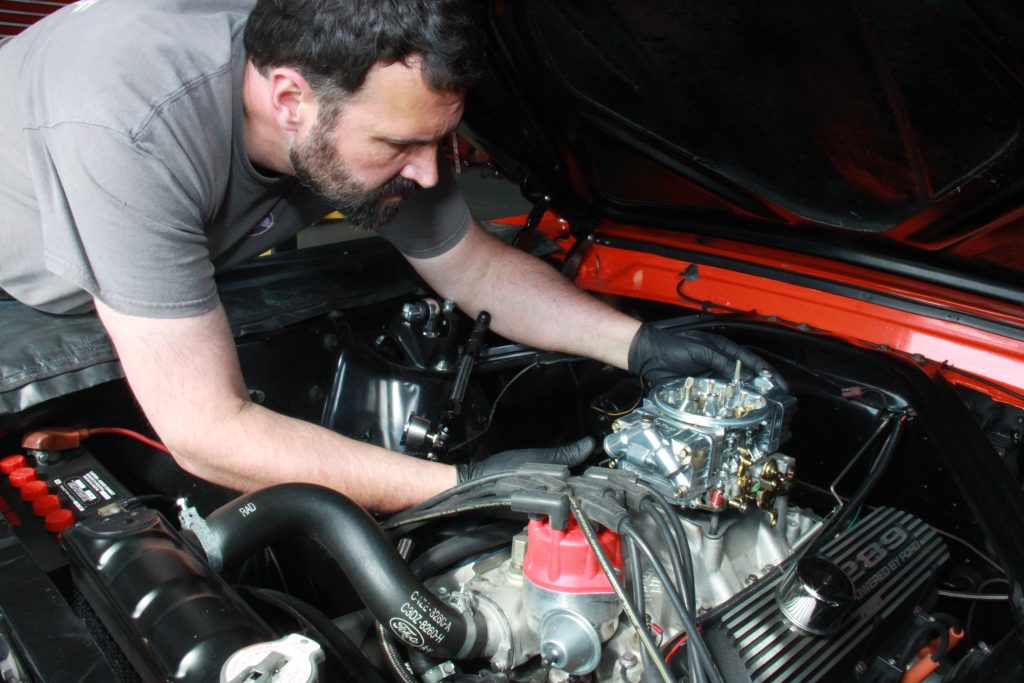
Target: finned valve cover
pixel 888 557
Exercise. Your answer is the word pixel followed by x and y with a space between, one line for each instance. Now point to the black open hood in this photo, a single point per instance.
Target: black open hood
pixel 882 127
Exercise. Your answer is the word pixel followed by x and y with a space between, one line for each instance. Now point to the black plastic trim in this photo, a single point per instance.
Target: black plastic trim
pixel 46 634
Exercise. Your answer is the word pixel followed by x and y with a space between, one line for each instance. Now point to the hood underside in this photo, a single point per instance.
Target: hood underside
pixel 890 128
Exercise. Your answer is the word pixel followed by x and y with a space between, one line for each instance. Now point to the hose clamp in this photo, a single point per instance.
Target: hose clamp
pixel 191 519
pixel 462 601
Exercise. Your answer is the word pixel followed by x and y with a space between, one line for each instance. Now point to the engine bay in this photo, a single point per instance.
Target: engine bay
pixel 809 523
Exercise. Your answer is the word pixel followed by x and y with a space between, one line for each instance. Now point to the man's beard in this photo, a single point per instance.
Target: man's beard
pixel 316 166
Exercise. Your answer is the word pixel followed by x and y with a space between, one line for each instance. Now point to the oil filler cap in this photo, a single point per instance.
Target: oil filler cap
pixel 815 595
pixel 292 659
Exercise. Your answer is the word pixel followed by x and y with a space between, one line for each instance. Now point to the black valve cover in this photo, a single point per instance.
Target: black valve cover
pixel 889 557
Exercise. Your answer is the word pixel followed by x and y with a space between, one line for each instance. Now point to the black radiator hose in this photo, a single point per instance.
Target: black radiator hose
pixel 383 580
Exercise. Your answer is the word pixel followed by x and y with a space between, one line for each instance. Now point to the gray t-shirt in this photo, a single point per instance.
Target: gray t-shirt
pixel 124 170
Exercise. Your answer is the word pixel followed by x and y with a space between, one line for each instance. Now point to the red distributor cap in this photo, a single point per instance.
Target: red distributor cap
pixel 562 561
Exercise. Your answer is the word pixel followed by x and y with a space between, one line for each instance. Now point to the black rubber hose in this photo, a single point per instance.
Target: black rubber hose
pixel 939 627
pixel 439 557
pixel 833 525
pixel 921 636
pixel 352 538
pixel 879 469
pixel 400 669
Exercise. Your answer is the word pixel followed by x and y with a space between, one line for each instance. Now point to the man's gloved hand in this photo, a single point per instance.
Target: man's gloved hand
pixel 570 455
pixel 657 355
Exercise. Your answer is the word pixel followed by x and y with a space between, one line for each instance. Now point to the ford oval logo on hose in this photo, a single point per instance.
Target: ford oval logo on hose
pixel 407 632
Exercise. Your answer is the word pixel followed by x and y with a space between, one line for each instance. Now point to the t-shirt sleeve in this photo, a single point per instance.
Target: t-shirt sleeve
pixel 431 221
pixel 119 223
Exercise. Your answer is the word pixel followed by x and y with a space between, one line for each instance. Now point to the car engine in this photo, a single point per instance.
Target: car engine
pixel 708 449
pixel 692 546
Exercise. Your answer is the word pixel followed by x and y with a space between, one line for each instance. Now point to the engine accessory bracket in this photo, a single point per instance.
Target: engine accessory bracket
pixel 417 435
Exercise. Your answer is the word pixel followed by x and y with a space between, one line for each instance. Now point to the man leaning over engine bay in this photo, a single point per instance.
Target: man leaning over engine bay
pixel 149 145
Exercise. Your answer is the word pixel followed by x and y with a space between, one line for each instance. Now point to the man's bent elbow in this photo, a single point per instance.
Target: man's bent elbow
pixel 195 460
pixel 208 448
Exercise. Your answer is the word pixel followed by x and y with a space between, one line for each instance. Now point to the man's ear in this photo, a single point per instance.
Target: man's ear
pixel 292 98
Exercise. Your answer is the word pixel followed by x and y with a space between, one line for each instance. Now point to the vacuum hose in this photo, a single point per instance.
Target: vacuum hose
pixel 383 580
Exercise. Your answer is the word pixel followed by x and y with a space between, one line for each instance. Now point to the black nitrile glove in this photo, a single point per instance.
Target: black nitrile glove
pixel 657 355
pixel 570 455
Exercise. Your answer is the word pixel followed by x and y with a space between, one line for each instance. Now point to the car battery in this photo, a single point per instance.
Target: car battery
pixel 44 493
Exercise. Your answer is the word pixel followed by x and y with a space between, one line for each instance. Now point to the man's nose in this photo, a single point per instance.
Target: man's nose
pixel 421 166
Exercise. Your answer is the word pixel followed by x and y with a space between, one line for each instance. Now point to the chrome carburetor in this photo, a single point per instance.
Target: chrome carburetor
pixel 708 443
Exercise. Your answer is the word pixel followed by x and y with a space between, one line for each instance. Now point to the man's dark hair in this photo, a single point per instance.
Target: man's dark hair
pixel 334 43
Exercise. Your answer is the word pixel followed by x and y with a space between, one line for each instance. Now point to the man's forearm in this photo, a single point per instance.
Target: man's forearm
pixel 529 301
pixel 255 447
pixel 533 303
pixel 194 396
